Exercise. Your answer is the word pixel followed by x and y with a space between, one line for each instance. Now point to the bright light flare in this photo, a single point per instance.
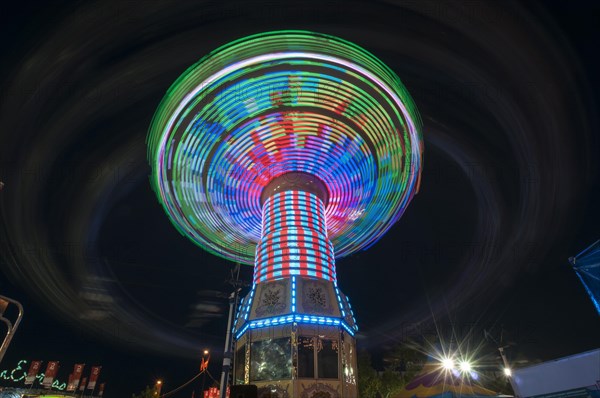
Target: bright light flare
pixel 465 366
pixel 507 372
pixel 448 363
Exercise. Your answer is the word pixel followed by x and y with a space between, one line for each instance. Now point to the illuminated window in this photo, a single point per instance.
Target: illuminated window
pixel 327 358
pixel 271 359
pixel 240 365
pixel 306 357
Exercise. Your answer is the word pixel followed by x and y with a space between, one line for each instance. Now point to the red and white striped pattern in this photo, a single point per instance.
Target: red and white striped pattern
pixel 294 239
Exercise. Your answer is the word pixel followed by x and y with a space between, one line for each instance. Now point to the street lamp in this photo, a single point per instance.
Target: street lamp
pixel 157 388
pixel 204 367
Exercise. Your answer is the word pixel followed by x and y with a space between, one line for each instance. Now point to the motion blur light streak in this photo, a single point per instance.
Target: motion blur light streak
pixel 221 135
pixel 507 108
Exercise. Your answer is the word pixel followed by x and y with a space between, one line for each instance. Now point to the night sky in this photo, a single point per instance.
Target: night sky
pixel 510 186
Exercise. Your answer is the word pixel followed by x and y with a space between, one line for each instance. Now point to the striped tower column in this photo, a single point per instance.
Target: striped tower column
pixel 294 331
pixel 294 238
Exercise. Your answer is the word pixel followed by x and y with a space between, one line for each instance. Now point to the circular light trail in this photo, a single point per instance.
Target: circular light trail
pixel 277 103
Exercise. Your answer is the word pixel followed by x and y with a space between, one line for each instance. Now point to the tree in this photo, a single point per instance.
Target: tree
pixel 368 380
pixel 403 362
pixel 391 382
pixel 500 384
pixel 407 358
pixel 148 392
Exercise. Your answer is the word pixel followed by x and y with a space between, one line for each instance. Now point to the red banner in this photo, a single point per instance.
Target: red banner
pixel 82 385
pixel 50 374
pixel 213 392
pixel 75 377
pixel 70 383
pixel 94 377
pixel 34 368
pixel 101 389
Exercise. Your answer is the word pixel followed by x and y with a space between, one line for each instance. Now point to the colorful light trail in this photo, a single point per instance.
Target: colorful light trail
pixel 276 103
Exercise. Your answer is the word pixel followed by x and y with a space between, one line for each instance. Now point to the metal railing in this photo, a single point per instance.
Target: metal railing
pixel 11 328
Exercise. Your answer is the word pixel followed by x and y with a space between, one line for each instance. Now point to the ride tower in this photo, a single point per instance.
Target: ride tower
pixel 287 150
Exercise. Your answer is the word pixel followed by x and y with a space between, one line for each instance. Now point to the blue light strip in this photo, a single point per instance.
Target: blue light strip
pixel 293 294
pixel 339 299
pixel 589 292
pixel 295 318
pixel 350 331
pixel 352 313
pixel 241 333
pixel 238 312
pixel 249 304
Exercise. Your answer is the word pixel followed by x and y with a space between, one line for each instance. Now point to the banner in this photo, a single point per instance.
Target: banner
pixel 75 377
pixel 204 364
pixel 101 389
pixel 34 368
pixel 214 392
pixel 82 385
pixel 50 374
pixel 94 377
pixel 70 383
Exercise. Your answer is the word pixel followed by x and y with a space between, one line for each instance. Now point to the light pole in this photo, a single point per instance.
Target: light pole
pixel 204 368
pixel 158 388
pixel 228 351
pixel 508 371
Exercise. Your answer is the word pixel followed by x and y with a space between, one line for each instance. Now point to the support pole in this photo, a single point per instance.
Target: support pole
pixel 228 354
pixel 507 366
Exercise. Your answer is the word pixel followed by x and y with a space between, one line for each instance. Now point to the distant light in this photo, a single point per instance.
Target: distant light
pixel 205 352
pixel 159 382
pixel 507 372
pixel 465 366
pixel 448 363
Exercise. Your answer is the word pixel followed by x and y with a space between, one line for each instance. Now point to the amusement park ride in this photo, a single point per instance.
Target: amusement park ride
pixel 287 150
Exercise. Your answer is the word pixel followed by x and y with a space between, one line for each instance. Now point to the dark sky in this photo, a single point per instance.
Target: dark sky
pixel 510 187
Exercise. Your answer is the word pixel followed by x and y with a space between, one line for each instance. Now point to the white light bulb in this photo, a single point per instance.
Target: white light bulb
pixel 465 366
pixel 448 363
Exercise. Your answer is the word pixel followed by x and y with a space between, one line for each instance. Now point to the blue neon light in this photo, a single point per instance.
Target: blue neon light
pixel 298 318
pixel 295 318
pixel 293 294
